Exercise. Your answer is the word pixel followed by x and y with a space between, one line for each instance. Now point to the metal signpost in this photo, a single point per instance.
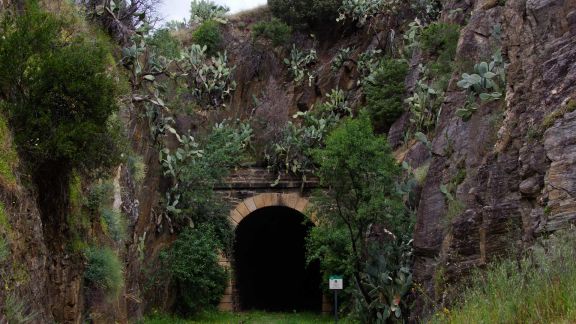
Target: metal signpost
pixel 336 283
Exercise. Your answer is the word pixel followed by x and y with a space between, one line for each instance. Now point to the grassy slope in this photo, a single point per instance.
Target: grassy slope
pixel 539 289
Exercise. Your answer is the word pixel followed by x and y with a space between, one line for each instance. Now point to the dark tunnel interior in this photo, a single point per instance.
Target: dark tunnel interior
pixel 270 262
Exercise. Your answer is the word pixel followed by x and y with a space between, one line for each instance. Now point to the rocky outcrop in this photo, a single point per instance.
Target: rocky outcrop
pixel 518 157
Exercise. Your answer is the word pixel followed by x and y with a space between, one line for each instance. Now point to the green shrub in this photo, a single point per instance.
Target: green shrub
pixel 275 30
pixel 203 10
pixel 538 288
pixel 58 91
pixel 4 249
pixel 104 270
pixel 385 92
pixel 193 263
pixel 164 44
pixel 115 223
pixel 440 40
pixel 8 156
pixel 208 34
pixel 17 310
pixel 305 12
pixel 364 10
pixel 4 223
pixel 137 168
pixel 99 195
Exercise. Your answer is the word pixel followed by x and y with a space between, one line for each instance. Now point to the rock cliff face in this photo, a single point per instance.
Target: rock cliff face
pixel 518 157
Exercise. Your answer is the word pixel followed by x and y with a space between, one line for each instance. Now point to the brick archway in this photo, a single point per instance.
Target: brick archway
pixel 229 301
pixel 249 205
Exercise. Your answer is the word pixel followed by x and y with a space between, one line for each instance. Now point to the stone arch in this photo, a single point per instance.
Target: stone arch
pixel 249 205
pixel 294 201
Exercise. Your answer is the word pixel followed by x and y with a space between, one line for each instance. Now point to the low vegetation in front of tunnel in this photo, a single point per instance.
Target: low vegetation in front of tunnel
pixel 252 317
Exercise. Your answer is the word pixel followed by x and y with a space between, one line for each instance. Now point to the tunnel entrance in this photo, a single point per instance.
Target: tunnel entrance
pixel 269 260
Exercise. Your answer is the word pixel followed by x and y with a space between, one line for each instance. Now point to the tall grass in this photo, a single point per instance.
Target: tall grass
pixel 104 270
pixel 16 310
pixel 539 288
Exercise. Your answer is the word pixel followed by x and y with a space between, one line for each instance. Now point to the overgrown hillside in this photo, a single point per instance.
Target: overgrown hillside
pixel 441 133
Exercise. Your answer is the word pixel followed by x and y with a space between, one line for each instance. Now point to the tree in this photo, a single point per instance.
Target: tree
pixel 59 90
pixel 57 87
pixel 363 211
pixel 312 13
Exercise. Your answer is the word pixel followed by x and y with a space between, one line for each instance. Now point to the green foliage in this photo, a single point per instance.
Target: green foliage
pixel 193 264
pixel 385 92
pixel 299 63
pixel 421 173
pixel 536 288
pixel 195 168
pixel 165 44
pixel 100 194
pixel 440 39
pixel 208 34
pixel 362 10
pixel 292 153
pixel 212 316
pixel 487 83
pixel 209 79
pixel 104 270
pixel 363 192
pixel 274 30
pixel 137 168
pixel 301 13
pixel 331 246
pixel 367 63
pixel 425 104
pixel 412 37
pixel 8 156
pixel 115 223
pixel 4 249
pixel 551 118
pixel 16 310
pixel 205 10
pixel 341 57
pixel 4 223
pixel 455 206
pixel 427 10
pixel 58 91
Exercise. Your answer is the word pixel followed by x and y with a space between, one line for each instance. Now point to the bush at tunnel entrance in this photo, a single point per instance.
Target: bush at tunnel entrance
pixel 193 263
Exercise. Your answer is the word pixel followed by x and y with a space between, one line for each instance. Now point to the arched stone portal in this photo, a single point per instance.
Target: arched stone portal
pixel 262 223
pixel 270 269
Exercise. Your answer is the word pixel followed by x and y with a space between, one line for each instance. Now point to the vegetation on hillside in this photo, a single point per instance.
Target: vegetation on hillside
pixel 535 288
pixel 301 13
pixel 104 270
pixel 58 91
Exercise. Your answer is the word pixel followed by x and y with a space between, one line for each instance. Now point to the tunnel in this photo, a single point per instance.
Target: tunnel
pixel 270 267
